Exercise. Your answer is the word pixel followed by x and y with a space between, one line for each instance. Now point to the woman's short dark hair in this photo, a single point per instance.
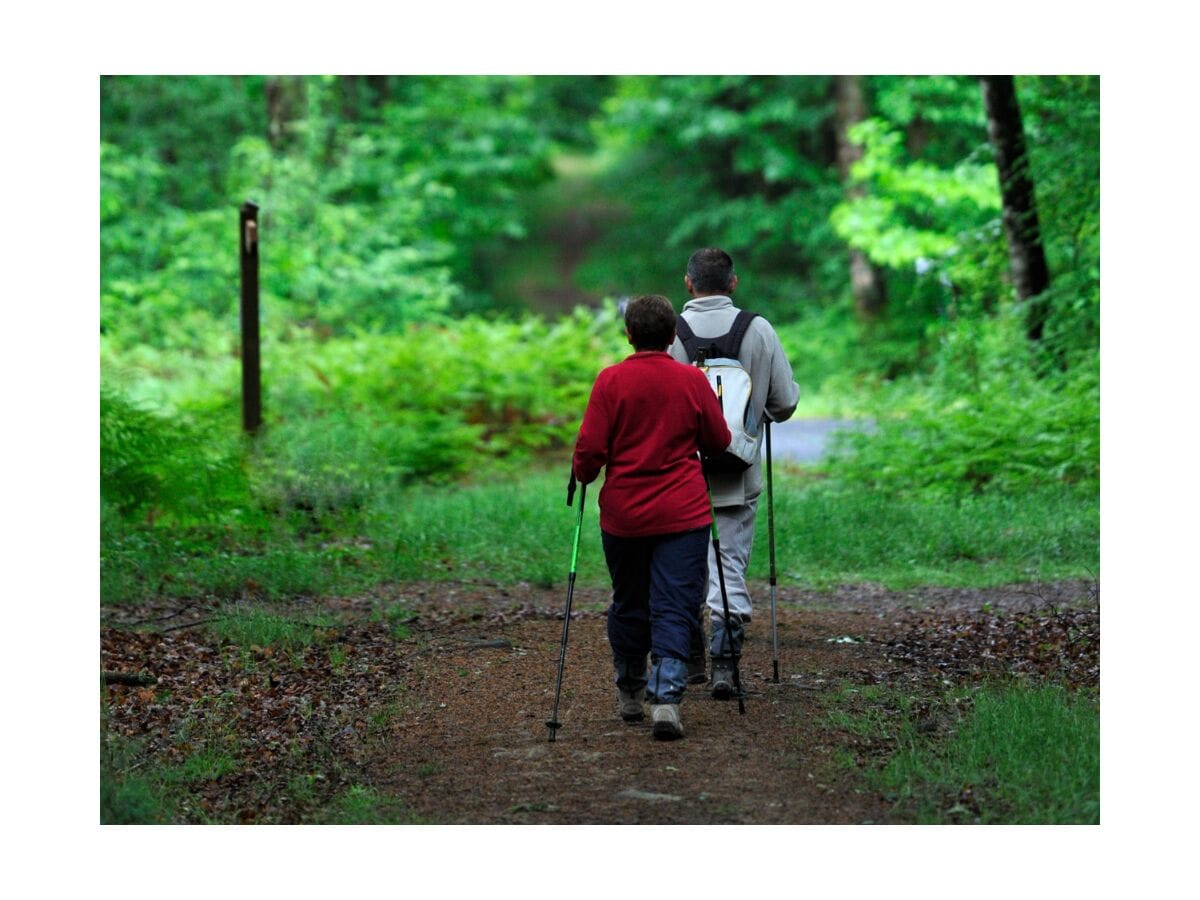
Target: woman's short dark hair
pixel 711 271
pixel 650 319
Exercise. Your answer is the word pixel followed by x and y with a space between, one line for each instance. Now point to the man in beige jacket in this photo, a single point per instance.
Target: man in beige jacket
pixel 710 280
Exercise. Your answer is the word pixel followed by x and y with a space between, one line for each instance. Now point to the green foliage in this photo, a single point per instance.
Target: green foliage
pixel 431 403
pixel 368 221
pixel 942 116
pixel 394 206
pixel 1025 755
pixel 982 420
pixel 186 126
pixel 161 466
pixel 1062 122
pixel 739 162
pixel 915 217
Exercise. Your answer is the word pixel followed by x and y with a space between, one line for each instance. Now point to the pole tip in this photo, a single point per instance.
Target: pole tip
pixel 553 726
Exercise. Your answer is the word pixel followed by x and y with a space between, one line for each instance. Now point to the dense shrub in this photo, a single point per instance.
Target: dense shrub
pixel 162 466
pixel 347 417
pixel 986 418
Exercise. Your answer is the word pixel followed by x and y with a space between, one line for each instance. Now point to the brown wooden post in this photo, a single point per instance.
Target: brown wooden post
pixel 251 380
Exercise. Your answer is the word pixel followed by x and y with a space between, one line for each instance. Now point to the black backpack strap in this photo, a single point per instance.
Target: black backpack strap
pixel 687 337
pixel 724 347
pixel 733 340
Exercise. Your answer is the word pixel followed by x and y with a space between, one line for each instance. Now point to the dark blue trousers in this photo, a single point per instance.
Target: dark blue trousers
pixel 658 583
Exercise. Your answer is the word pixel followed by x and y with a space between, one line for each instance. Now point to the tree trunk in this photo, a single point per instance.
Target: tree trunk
pixel 1027 258
pixel 866 280
pixel 285 104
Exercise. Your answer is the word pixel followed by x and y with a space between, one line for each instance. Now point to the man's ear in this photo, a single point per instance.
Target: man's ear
pixel 733 283
pixel 687 283
pixel 629 337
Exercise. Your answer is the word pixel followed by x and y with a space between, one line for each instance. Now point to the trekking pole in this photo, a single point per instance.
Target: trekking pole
pixel 554 724
pixel 716 539
pixel 771 544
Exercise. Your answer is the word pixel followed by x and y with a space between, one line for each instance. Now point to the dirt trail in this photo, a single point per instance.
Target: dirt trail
pixel 479 730
pixel 451 721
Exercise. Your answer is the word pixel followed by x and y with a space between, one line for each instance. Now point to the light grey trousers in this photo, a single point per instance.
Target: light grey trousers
pixel 735 529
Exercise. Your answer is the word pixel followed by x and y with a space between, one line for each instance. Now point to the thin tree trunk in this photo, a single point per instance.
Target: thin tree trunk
pixel 1027 257
pixel 285 104
pixel 866 280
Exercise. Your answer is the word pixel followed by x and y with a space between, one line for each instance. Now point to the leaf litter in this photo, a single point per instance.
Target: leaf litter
pixel 450 719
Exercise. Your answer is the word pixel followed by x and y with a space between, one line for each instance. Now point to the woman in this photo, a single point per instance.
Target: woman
pixel 647 420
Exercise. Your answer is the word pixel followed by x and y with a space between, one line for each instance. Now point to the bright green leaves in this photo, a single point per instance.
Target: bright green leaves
pixel 371 215
pixel 911 211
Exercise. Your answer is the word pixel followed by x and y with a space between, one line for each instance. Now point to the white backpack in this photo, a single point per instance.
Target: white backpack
pixel 717 358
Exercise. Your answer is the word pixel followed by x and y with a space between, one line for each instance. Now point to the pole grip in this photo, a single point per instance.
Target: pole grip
pixel 571 488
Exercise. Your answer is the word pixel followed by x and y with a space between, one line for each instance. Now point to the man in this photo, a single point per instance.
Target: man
pixel 710 280
pixel 647 420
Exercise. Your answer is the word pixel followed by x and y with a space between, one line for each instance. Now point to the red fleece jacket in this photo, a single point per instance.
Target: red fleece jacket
pixel 647 418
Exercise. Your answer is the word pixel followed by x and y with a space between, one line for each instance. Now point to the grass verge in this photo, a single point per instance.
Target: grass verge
pixel 1005 754
pixel 518 529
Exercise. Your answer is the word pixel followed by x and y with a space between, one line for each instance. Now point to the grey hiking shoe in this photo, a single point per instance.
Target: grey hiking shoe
pixel 631 705
pixel 722 679
pixel 665 717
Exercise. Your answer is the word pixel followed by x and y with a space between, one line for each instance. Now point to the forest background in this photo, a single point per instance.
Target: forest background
pixel 1147 206
pixel 441 260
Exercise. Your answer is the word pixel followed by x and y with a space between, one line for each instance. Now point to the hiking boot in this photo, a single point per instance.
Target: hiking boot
pixel 631 705
pixel 696 672
pixel 665 717
pixel 722 679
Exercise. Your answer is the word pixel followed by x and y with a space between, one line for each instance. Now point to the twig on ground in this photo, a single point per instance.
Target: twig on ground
pixel 190 624
pixel 134 679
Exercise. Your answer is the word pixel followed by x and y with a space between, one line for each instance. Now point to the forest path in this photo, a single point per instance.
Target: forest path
pixel 807 440
pixel 448 722
pixel 478 705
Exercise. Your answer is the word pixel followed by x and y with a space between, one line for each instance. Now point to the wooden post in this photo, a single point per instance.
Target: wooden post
pixel 251 380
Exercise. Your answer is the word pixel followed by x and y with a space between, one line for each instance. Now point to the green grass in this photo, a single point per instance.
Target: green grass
pixel 521 531
pixel 1021 755
pixel 208 764
pixel 128 796
pixel 518 528
pixel 827 536
pixel 360 805
pixel 259 628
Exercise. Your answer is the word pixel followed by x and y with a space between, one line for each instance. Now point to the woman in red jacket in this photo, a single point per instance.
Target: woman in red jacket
pixel 647 420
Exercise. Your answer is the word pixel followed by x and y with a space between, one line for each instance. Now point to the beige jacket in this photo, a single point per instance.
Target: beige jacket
pixel 774 392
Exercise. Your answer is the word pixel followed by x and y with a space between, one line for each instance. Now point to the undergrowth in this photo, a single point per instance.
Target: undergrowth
pixel 1002 753
pixel 519 530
